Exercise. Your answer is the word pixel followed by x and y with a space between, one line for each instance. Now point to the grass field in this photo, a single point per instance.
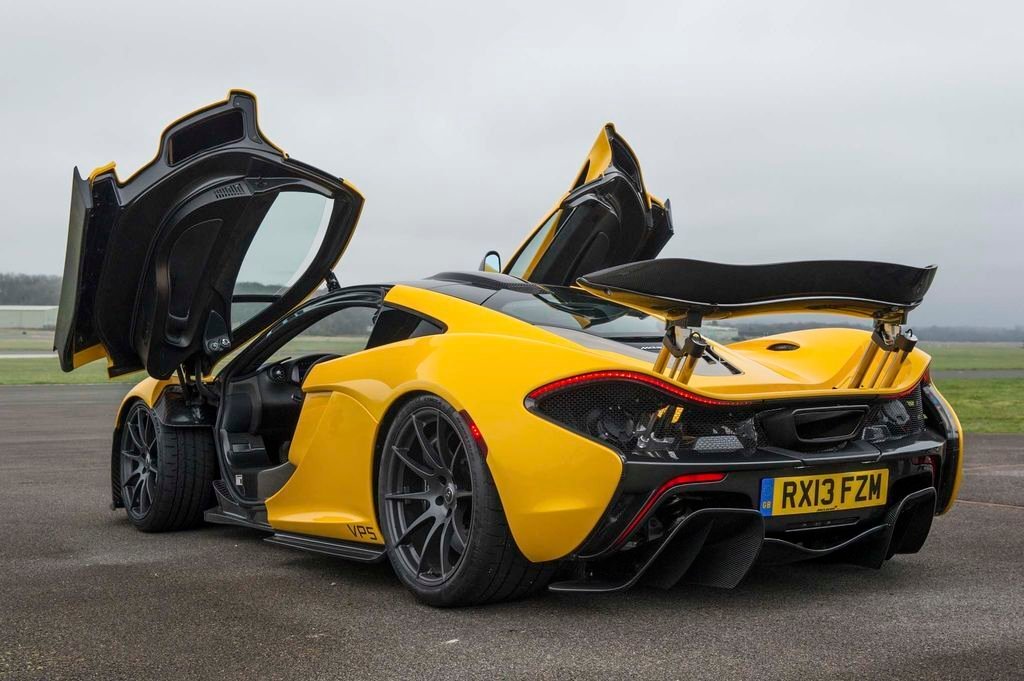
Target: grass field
pixel 975 356
pixel 42 370
pixel 987 405
pixel 47 370
pixel 36 340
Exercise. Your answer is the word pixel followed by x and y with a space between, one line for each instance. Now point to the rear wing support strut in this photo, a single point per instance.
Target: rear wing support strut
pixel 895 345
pixel 904 345
pixel 685 355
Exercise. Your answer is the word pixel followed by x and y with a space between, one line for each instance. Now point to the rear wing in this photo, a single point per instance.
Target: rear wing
pixel 687 292
pixel 694 290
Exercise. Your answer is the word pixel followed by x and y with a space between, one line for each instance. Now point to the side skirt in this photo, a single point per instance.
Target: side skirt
pixel 364 553
pixel 227 512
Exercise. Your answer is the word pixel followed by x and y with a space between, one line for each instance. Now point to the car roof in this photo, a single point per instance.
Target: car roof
pixel 474 287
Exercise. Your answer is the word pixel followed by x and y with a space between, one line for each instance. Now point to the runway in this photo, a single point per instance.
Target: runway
pixel 83 595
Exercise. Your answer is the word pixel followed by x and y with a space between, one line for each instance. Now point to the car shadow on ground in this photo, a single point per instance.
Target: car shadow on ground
pixel 765 587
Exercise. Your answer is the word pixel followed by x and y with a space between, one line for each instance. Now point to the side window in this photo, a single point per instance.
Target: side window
pixel 283 247
pixel 340 333
pixel 520 265
pixel 395 325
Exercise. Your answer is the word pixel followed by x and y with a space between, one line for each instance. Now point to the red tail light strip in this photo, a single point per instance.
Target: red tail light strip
pixel 926 379
pixel 635 377
pixel 908 392
pixel 688 479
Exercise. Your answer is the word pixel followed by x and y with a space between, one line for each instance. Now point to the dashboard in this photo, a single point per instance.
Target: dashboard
pixel 293 371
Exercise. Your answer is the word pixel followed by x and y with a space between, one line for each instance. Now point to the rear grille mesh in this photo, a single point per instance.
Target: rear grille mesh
pixel 895 419
pixel 643 422
pixel 620 413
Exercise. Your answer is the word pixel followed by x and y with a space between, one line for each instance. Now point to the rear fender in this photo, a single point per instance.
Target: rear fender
pixel 554 485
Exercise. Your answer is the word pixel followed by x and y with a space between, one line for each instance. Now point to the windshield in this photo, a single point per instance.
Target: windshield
pixel 569 308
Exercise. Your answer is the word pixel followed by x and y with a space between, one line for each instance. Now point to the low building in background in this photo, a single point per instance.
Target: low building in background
pixel 28 316
pixel 722 334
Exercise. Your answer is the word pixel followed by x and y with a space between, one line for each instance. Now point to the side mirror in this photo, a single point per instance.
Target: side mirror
pixel 491 262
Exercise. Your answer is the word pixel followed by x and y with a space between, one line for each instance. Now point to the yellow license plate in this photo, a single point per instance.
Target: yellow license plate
pixel 822 493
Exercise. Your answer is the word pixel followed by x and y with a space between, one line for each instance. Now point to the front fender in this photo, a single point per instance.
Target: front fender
pixel 148 390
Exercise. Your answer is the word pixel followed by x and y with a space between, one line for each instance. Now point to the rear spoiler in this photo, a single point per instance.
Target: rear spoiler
pixel 695 290
pixel 685 293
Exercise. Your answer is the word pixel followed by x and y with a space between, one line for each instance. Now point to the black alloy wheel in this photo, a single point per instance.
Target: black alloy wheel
pixel 140 470
pixel 444 526
pixel 429 495
pixel 162 475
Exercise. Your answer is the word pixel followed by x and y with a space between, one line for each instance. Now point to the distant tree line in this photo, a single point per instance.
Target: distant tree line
pixel 255 287
pixel 355 322
pixel 29 289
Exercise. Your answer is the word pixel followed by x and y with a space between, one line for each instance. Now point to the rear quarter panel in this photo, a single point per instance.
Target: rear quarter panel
pixel 554 485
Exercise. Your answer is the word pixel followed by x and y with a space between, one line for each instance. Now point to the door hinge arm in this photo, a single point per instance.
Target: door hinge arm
pixel 194 390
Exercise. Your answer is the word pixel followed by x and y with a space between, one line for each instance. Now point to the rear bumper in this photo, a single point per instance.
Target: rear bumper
pixel 713 532
pixel 718 546
pixel 632 506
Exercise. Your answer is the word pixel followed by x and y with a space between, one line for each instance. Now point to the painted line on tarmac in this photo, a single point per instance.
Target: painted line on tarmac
pixel 28 355
pixel 989 466
pixel 989 503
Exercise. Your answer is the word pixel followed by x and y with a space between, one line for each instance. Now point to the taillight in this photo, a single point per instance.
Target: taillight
pixel 932 462
pixel 645 417
pixel 909 391
pixel 633 376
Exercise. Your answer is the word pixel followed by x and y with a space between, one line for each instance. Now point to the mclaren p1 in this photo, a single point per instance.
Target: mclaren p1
pixel 559 421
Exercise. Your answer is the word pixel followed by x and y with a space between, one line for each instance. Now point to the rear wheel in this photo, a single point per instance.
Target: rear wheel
pixel 164 475
pixel 443 522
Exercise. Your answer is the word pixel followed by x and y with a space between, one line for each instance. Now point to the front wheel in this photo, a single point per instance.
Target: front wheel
pixel 444 526
pixel 163 475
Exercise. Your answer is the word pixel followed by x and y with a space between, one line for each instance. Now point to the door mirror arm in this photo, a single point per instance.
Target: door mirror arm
pixel 491 262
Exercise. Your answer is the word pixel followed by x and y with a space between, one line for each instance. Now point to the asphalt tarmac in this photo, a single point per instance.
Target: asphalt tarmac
pixel 83 595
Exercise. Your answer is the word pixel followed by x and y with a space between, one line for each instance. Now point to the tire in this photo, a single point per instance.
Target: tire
pixel 162 476
pixel 435 491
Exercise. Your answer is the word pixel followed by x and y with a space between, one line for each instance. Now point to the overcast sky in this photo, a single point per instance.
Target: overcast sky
pixel 780 130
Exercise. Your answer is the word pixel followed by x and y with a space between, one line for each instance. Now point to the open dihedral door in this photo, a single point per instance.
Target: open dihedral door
pixel 152 261
pixel 606 218
pixel 686 292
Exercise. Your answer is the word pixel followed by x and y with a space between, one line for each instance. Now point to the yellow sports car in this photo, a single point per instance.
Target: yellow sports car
pixel 559 421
